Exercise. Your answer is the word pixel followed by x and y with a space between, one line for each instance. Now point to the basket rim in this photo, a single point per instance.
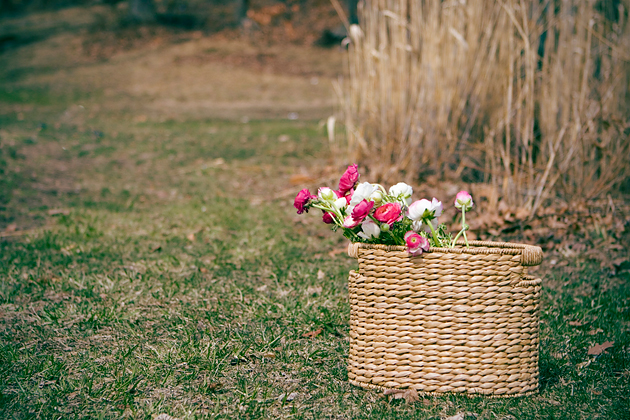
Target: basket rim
pixel 530 254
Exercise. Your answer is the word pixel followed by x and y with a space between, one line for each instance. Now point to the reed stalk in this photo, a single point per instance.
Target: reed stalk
pixel 530 96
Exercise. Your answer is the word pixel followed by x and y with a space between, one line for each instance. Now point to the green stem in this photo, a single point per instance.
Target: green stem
pixel 463 231
pixel 435 238
pixel 456 238
pixel 464 226
pixel 331 209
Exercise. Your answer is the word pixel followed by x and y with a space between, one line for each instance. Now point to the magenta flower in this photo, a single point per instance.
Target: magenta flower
pixel 389 213
pixel 416 244
pixel 463 200
pixel 302 200
pixel 362 209
pixel 328 218
pixel 349 179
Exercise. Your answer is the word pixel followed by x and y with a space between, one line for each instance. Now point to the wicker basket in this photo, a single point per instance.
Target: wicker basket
pixel 459 319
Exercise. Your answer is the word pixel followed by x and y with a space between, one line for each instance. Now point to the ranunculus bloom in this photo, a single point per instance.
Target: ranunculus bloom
pixel 328 218
pixel 326 194
pixel 388 213
pixel 361 210
pixel 362 192
pixel 425 210
pixel 302 199
pixel 416 244
pixel 341 203
pixel 349 179
pixel 370 229
pixel 402 192
pixel 463 200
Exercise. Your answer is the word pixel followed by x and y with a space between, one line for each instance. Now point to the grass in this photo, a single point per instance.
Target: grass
pixel 166 272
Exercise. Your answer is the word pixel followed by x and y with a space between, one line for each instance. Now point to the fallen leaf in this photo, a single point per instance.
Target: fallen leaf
pixel 312 334
pixel 314 290
pixel 521 214
pixel 269 355
pixel 575 323
pixel 54 212
pixel 191 237
pixel 320 275
pixel 165 416
pixel 598 349
pixel 11 228
pixel 214 386
pixel 290 397
pixel 593 332
pixel 337 251
pixel 410 395
pixel 203 270
pixel 458 416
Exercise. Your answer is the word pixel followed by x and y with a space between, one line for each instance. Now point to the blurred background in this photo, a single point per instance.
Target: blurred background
pixel 525 103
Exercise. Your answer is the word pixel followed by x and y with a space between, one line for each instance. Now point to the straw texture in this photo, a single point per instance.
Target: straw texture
pixel 451 320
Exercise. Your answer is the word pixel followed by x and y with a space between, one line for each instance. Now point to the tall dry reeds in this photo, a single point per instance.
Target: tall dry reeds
pixel 530 96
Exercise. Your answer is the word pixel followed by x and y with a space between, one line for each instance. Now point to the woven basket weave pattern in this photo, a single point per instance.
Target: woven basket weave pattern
pixel 450 320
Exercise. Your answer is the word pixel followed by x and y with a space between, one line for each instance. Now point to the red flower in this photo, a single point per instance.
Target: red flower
pixel 389 213
pixel 302 199
pixel 328 218
pixel 349 179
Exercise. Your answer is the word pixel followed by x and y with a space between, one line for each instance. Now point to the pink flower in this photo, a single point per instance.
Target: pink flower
pixel 302 200
pixel 416 244
pixel 463 200
pixel 361 210
pixel 349 179
pixel 328 218
pixel 389 213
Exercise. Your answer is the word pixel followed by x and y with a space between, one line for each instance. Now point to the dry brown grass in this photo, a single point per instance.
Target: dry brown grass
pixel 530 96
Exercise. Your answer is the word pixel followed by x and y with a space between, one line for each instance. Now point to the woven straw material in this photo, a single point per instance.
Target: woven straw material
pixel 461 320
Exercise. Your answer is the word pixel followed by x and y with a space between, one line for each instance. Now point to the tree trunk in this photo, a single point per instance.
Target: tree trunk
pixel 241 10
pixel 142 11
pixel 352 9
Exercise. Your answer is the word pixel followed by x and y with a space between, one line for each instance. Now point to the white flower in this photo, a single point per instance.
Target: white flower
pixel 370 229
pixel 340 203
pixel 425 210
pixel 326 194
pixel 362 192
pixel 418 225
pixel 402 192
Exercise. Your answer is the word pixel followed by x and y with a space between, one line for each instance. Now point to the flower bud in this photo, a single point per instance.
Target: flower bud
pixel 463 200
pixel 377 197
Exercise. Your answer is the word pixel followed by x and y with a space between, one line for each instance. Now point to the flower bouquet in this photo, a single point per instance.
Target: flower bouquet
pixel 428 310
pixel 368 213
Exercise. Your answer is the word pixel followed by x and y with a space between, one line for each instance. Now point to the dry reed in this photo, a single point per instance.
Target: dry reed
pixel 530 96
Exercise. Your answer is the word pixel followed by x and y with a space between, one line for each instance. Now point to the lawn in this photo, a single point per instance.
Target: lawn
pixel 155 265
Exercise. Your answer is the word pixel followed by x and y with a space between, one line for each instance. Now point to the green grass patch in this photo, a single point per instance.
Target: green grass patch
pixel 170 277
